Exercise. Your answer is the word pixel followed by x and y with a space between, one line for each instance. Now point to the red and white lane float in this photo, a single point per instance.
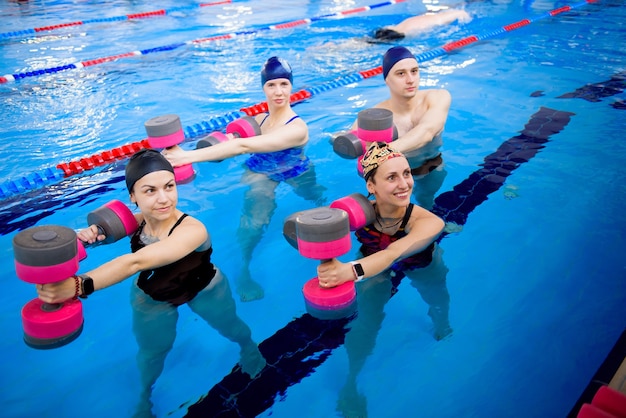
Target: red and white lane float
pixel 324 233
pixel 373 125
pixel 164 132
pixel 49 254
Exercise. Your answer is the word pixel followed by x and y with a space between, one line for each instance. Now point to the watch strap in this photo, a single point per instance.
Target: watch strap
pixel 86 285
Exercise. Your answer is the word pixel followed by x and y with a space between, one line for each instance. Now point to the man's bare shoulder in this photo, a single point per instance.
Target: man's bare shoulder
pixel 436 93
pixel 385 104
pixel 440 97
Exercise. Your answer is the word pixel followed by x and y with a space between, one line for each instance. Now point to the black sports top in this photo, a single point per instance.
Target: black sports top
pixel 180 281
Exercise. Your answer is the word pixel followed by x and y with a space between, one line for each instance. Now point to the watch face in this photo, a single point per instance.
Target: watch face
pixel 88 286
pixel 359 270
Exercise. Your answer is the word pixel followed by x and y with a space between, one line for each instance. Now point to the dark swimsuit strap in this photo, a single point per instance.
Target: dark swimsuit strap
pixel 177 223
pixel 407 217
pixel 295 117
pixel 266 116
pixel 143 223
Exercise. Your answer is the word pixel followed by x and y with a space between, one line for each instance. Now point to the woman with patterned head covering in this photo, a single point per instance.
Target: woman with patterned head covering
pixel 402 234
pixel 400 240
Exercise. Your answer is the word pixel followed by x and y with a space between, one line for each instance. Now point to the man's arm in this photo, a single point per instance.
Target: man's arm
pixel 431 123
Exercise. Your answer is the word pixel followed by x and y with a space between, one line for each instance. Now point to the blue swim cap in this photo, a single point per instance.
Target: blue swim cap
pixel 392 56
pixel 276 68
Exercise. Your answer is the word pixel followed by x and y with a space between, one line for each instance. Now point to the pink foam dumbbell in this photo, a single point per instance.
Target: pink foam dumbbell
pixel 321 234
pixel 114 220
pixel 373 125
pixel 166 131
pixel 48 254
pixel 360 210
pixel 245 127
pixel 611 401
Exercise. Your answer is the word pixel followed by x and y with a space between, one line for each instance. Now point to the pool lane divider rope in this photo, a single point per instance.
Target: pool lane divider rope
pixel 64 170
pixel 80 65
pixel 132 16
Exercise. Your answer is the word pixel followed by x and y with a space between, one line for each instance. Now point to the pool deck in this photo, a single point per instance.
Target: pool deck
pixel 612 372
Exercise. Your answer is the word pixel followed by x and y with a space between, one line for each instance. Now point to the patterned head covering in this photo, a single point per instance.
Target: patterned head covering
pixel 375 156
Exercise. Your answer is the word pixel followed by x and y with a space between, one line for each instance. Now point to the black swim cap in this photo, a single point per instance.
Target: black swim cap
pixel 386 34
pixel 145 162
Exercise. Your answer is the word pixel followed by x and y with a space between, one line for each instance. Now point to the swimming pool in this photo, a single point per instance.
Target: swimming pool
pixel 535 276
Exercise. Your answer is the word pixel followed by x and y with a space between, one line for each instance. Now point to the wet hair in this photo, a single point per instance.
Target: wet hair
pixel 386 34
pixel 393 55
pixel 274 68
pixel 145 162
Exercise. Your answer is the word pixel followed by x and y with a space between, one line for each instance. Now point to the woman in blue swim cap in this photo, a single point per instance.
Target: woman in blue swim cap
pixel 276 155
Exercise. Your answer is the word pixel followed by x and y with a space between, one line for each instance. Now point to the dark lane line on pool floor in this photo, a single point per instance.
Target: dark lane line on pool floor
pixel 295 351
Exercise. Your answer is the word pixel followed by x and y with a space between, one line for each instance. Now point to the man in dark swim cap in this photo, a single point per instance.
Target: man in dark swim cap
pixel 417 24
pixel 419 116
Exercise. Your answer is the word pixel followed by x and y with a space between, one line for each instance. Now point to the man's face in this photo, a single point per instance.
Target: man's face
pixel 403 78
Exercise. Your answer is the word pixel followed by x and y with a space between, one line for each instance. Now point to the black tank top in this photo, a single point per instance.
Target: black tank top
pixel 179 282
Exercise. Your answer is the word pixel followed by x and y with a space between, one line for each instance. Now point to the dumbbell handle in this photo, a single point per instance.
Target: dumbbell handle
pixel 244 127
pixel 82 245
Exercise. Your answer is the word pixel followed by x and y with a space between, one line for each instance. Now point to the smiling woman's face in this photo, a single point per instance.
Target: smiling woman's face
pixel 392 182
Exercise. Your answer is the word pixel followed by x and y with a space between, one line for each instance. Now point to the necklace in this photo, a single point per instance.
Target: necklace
pixel 148 239
pixel 388 226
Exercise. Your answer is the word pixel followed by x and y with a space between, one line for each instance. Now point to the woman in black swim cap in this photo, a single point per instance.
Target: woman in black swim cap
pixel 171 251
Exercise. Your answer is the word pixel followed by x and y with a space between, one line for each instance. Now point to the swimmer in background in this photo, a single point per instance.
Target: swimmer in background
pixel 408 28
pixel 400 241
pixel 277 155
pixel 419 117
pixel 416 25
pixel 172 254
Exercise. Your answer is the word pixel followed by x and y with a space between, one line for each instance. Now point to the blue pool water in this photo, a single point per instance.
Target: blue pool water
pixel 535 180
